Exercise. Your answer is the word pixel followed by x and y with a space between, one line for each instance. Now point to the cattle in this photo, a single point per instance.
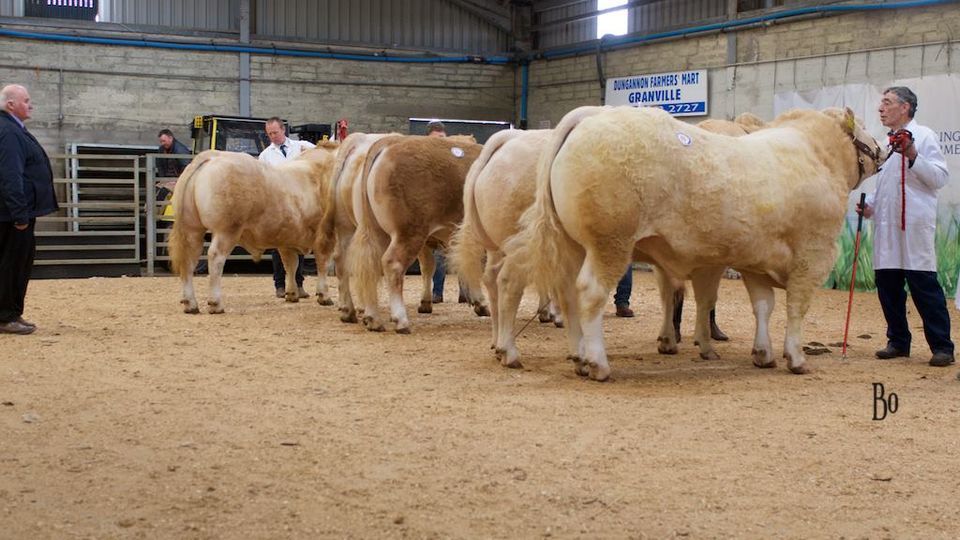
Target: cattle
pixel 339 223
pixel 411 194
pixel 622 184
pixel 499 186
pixel 242 201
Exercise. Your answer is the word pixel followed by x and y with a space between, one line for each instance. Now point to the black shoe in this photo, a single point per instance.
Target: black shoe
pixel 891 352
pixel 25 322
pixel 941 359
pixel 13 327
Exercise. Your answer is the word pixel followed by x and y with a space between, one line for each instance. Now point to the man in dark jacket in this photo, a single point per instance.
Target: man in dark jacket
pixel 26 192
pixel 168 168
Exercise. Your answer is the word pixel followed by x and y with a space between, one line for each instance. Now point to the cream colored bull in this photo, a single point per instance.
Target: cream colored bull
pixel 411 194
pixel 499 186
pixel 242 201
pixel 626 183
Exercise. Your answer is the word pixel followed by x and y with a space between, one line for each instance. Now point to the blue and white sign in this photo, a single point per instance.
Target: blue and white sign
pixel 680 93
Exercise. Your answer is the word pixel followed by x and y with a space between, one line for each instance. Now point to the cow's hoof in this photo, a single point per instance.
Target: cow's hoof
pixel 372 326
pixel 512 364
pixel 664 346
pixel 762 360
pixel 405 330
pixel 481 310
pixel 214 308
pixel 580 366
pixel 499 354
pixel 802 369
pixel 597 373
pixel 558 323
pixel 710 355
pixel 324 301
pixel 425 307
pixel 545 317
pixel 191 310
pixel 291 297
pixel 348 317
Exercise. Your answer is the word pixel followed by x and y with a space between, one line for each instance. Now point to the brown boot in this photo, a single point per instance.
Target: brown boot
pixel 624 311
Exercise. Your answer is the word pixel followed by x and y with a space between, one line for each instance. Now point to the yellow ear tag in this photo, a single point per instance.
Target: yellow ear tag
pixel 851 124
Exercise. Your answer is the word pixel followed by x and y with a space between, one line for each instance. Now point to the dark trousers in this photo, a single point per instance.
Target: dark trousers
pixel 439 273
pixel 624 288
pixel 927 297
pixel 17 249
pixel 280 275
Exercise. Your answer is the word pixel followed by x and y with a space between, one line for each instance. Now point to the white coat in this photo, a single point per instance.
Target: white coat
pixel 913 248
pixel 273 156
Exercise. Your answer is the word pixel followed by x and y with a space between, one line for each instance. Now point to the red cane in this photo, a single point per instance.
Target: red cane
pixel 853 277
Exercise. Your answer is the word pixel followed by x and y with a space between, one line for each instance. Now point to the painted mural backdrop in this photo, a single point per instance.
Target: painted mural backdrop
pixel 939 109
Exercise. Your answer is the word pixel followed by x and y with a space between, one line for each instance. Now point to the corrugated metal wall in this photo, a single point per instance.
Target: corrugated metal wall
pixel 211 15
pixel 427 24
pixel 11 8
pixel 645 19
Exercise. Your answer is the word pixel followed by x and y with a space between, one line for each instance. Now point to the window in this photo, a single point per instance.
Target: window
pixel 62 9
pixel 615 22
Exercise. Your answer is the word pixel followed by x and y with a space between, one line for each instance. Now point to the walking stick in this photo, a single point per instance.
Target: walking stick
pixel 853 277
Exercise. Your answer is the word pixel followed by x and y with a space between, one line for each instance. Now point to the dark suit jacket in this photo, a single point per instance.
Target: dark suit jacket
pixel 26 179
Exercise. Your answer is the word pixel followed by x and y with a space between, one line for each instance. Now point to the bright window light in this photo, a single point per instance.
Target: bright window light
pixel 611 23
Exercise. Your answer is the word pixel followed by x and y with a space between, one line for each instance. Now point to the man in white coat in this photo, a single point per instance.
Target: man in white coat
pixel 904 209
pixel 283 149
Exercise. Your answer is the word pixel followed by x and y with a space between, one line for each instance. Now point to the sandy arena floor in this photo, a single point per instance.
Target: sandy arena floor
pixel 123 417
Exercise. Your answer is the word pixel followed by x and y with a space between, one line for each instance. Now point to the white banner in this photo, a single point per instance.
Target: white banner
pixel 680 93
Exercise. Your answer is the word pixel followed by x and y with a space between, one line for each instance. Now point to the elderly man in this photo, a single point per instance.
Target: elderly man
pixel 26 192
pixel 904 209
pixel 281 149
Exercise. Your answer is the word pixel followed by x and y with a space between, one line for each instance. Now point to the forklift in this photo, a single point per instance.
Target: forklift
pixel 238 134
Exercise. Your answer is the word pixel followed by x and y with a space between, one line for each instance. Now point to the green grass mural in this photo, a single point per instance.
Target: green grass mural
pixel 947 241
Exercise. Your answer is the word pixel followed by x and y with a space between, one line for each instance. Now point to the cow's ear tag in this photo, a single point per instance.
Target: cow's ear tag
pixel 457 152
pixel 684 139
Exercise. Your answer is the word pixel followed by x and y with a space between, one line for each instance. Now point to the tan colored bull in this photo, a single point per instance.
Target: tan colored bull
pixel 242 201
pixel 411 195
pixel 627 183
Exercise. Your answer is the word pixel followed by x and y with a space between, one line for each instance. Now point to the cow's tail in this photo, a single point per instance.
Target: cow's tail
pixel 327 236
pixel 183 244
pixel 542 248
pixel 470 241
pixel 369 242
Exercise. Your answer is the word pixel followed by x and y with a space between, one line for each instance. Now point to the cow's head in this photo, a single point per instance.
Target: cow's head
pixel 870 155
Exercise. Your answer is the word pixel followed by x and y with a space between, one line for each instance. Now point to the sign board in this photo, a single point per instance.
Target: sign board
pixel 680 93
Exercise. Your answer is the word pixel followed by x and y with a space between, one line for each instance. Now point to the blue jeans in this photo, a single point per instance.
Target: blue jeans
pixel 624 288
pixel 927 297
pixel 280 275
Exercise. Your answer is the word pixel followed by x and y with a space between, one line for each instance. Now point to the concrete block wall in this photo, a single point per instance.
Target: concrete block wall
pixel 124 95
pixel 875 47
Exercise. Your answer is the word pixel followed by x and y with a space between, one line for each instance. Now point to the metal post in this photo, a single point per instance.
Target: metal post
pixel 151 210
pixel 136 209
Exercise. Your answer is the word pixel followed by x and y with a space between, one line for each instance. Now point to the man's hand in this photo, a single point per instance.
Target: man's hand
pixel 866 210
pixel 902 141
pixel 169 185
pixel 21 226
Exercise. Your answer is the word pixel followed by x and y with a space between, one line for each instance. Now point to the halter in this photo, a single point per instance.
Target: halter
pixel 864 150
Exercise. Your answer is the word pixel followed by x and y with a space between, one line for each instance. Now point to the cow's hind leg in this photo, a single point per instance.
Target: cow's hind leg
pixel 428 265
pixel 510 284
pixel 290 260
pixel 800 291
pixel 762 299
pixel 594 283
pixel 667 340
pixel 348 312
pixel 706 281
pixel 193 246
pixel 323 289
pixel 220 247
pixel 394 262
pixel 490 273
